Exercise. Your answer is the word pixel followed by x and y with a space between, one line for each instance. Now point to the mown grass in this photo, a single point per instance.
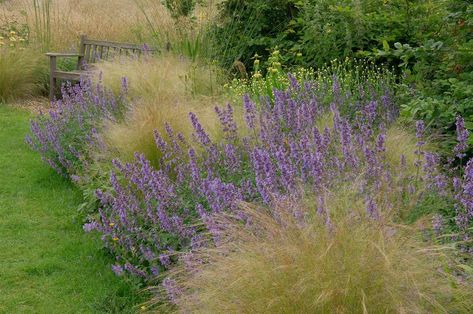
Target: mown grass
pixel 47 263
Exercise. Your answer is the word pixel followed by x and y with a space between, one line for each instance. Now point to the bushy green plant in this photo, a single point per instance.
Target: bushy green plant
pixel 248 27
pixel 439 73
pixel 354 77
pixel 322 30
pixel 180 8
pixel 266 76
pixel 338 28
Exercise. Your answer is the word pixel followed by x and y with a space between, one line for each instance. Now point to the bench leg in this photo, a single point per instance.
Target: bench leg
pixel 52 88
pixel 52 78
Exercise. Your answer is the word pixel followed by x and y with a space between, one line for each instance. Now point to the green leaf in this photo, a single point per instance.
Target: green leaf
pixel 385 46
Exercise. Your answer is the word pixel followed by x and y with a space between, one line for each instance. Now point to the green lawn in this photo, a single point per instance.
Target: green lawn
pixel 47 263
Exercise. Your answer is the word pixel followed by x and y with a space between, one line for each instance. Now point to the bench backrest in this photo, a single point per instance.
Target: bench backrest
pixel 95 50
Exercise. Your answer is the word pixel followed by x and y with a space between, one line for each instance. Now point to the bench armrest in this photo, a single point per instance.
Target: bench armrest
pixel 63 54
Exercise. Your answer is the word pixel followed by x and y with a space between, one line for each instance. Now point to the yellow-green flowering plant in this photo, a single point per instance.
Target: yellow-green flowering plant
pixel 266 77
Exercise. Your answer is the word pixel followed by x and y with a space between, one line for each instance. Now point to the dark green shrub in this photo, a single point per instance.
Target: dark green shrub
pixel 338 28
pixel 439 72
pixel 180 8
pixel 322 30
pixel 248 27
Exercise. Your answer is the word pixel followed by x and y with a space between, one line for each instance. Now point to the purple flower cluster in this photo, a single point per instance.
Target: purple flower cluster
pixel 63 135
pixel 464 206
pixel 461 188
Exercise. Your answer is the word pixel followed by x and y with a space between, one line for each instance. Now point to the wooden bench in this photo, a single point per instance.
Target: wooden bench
pixel 90 51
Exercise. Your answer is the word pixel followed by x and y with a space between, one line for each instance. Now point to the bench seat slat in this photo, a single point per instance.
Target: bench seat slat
pixel 63 54
pixel 111 44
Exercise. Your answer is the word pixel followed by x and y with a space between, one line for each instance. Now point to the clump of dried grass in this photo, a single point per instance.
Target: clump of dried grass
pixel 282 264
pixel 163 89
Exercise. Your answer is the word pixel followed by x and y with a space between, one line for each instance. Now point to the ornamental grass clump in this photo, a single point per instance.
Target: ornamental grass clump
pixel 162 89
pixel 281 263
pixel 22 73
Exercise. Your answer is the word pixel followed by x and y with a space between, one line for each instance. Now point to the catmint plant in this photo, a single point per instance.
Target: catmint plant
pixel 152 214
pixel 70 129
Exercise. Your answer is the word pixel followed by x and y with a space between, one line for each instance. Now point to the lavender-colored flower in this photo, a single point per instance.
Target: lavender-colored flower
pixel 68 132
pixel 456 184
pixel 370 112
pixel 172 289
pixel 380 143
pixel 420 129
pixel 117 269
pixel 209 222
pixel 135 271
pixel 462 138
pixel 165 259
pixel 466 197
pixel 229 127
pixel 147 210
pixel 148 254
pixel 155 270
pixel 91 226
pixel 250 112
pixel 200 133
pixel 437 224
pixel 371 208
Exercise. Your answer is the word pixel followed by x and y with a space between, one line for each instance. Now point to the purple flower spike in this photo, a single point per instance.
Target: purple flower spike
pixel 437 224
pixel 371 208
pixel 91 226
pixel 250 111
pixel 420 129
pixel 462 138
pixel 172 289
pixel 165 260
pixel 117 269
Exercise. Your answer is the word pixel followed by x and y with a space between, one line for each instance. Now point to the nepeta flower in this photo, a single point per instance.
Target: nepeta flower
pixel 462 138
pixel 165 259
pixel 250 111
pixel 172 289
pixel 90 226
pixel 437 224
pixel 420 129
pixel 117 269
pixel 371 208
